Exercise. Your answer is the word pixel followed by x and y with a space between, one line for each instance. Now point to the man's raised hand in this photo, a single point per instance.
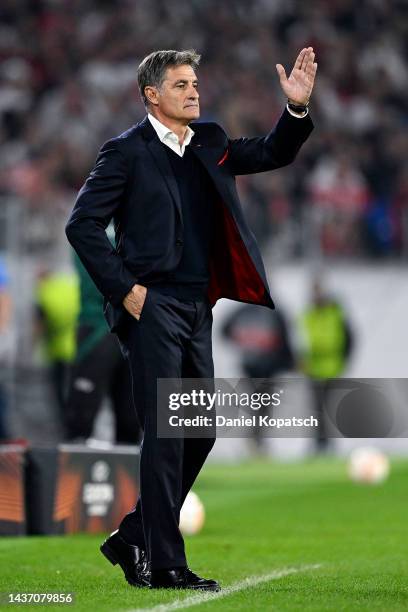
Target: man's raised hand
pixel 298 87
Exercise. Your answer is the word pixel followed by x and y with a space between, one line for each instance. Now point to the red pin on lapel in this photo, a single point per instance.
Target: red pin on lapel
pixel 223 158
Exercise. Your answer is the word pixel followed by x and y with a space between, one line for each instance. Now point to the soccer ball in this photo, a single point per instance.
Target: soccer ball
pixel 192 515
pixel 368 466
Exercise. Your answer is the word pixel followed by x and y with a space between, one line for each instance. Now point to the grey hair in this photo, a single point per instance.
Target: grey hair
pixel 152 70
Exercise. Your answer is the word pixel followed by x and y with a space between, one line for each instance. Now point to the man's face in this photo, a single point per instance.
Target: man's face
pixel 177 98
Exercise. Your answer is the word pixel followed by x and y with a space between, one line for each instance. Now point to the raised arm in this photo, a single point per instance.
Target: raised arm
pixel 280 147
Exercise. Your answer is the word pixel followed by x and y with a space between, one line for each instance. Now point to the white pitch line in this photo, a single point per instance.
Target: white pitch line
pixel 246 583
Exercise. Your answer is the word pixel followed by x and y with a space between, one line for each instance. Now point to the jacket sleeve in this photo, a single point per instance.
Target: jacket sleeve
pixel 279 148
pixel 95 206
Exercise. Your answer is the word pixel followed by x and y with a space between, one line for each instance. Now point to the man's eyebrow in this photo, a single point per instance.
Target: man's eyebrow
pixel 184 81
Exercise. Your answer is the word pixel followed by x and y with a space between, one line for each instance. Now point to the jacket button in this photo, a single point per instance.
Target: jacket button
pixel 179 243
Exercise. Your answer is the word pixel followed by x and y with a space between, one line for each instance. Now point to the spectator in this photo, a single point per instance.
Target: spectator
pixel 5 319
pixel 339 194
pixel 67 67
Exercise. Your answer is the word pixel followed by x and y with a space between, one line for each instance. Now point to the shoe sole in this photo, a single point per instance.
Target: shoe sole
pixel 111 556
pixel 213 588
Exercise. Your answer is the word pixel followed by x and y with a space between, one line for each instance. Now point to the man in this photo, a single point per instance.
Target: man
pixel 182 243
pixel 328 342
pixel 56 312
pixel 262 338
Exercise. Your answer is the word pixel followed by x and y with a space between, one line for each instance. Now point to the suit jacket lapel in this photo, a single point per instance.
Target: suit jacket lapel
pixel 159 154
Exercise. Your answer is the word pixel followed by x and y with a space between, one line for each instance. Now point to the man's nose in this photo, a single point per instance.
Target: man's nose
pixel 193 94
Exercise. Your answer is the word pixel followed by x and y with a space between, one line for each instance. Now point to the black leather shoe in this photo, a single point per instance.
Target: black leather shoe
pixel 132 559
pixel 181 578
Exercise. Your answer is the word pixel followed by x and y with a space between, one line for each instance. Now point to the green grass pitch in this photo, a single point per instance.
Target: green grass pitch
pixel 272 523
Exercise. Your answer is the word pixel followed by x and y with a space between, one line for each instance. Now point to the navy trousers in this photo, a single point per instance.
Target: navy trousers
pixel 172 339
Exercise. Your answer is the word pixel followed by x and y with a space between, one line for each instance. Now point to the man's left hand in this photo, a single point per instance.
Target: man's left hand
pixel 298 87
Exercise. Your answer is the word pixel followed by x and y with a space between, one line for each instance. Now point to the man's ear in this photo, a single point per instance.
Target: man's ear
pixel 152 94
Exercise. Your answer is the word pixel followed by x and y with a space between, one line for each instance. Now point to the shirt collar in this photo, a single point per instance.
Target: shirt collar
pixel 165 134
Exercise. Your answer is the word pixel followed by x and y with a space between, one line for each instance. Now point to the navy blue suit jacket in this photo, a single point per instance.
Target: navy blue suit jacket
pixel 133 183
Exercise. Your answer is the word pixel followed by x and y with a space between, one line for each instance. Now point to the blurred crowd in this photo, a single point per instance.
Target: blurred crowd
pixel 68 83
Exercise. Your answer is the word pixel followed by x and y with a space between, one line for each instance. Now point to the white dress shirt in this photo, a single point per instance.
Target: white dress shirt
pixel 169 138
